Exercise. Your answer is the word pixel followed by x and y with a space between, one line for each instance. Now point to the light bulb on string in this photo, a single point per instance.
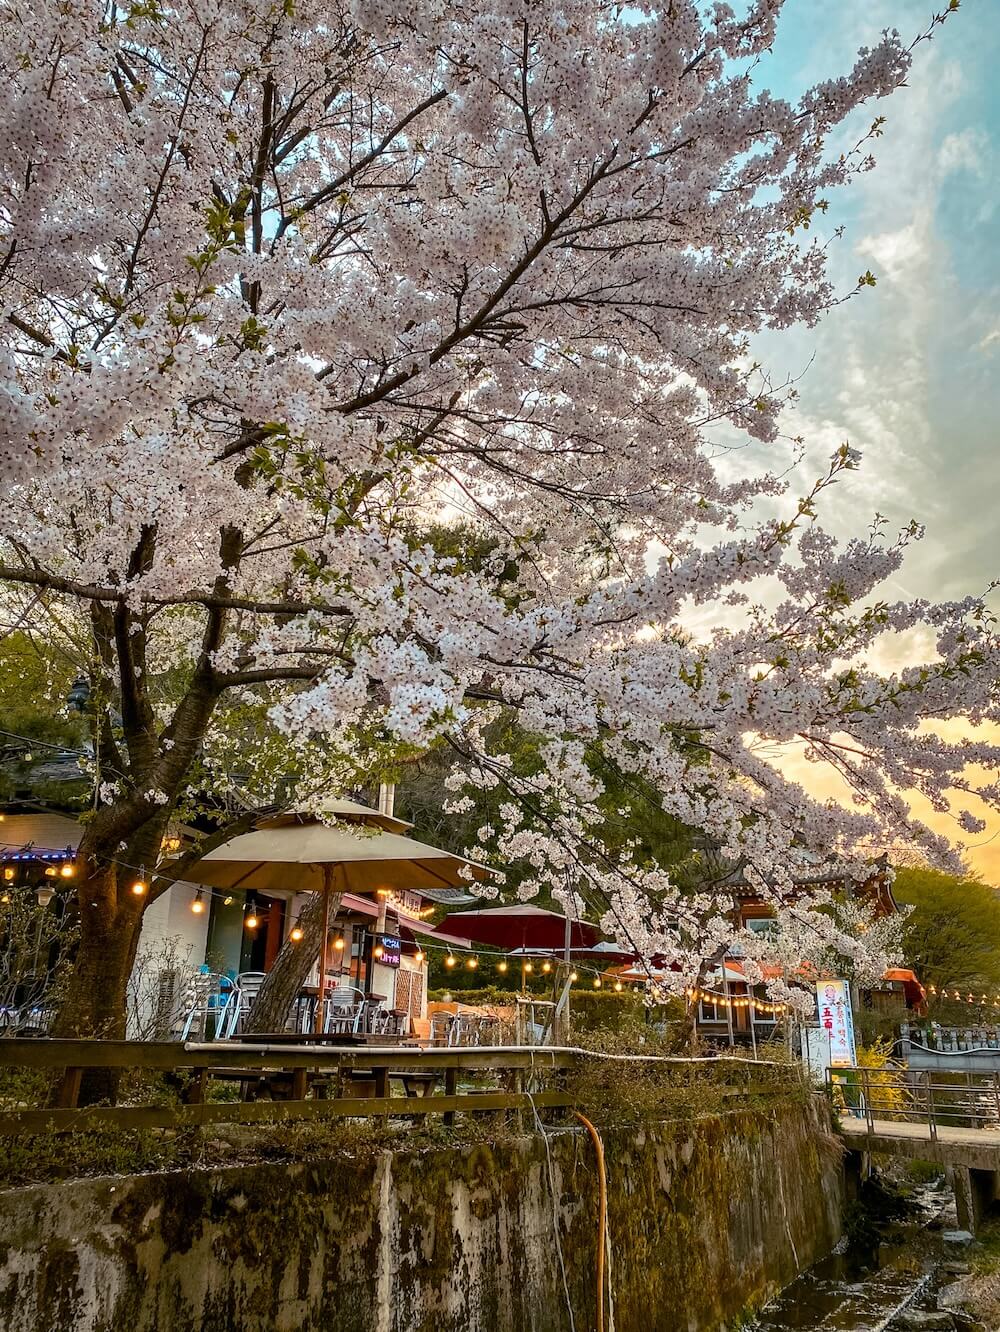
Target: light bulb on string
pixel 573 976
pixel 227 901
pixel 51 871
pixel 418 956
pixel 9 873
pixel 597 982
pixel 528 968
pixel 140 887
pixel 68 870
pixel 501 967
pixel 252 921
pixel 296 933
pixel 451 961
pixel 546 966
pixel 472 963
pixel 618 986
pixel 379 951
pixel 339 944
pixel 198 905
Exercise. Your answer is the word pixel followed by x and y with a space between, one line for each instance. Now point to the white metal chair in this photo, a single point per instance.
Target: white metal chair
pixel 210 1007
pixel 248 985
pixel 345 1010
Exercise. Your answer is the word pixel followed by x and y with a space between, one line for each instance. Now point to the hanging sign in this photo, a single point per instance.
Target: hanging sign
pixel 833 1004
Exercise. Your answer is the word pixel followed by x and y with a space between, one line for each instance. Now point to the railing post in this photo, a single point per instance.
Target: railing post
pixel 931 1121
pixel 450 1089
pixel 867 1094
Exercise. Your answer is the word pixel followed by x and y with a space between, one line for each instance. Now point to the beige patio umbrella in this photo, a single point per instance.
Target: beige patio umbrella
pixel 296 852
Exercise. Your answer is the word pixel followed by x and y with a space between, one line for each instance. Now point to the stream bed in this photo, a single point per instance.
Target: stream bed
pixel 873 1292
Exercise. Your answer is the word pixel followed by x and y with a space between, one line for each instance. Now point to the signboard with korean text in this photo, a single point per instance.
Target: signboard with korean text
pixel 833 1004
pixel 386 950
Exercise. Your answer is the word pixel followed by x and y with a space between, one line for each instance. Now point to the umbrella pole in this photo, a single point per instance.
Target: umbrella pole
pixel 327 878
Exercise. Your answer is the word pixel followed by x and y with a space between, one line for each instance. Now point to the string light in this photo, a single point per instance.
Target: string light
pixel 573 976
pixel 528 968
pixel 295 933
pixel 228 900
pixel 418 955
pixel 9 873
pixel 339 944
pixel 501 966
pixel 139 887
pixel 198 905
pixel 379 950
pixel 51 871
pixel 252 921
pixel 546 967
pixel 450 961
pixel 618 985
pixel 68 870
pixel 472 963
pixel 597 982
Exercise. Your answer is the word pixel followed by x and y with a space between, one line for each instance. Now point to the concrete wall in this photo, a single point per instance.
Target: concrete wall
pixel 706 1217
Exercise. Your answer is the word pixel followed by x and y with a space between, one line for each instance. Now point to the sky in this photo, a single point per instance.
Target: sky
pixel 908 372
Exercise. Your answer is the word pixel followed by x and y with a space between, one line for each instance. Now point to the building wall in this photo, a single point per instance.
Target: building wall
pixel 173 940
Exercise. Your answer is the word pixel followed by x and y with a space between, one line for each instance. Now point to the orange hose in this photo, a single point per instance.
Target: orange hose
pixel 602 1212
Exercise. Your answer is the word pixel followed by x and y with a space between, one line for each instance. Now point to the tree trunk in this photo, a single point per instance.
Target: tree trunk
pixel 94 1004
pixel 291 967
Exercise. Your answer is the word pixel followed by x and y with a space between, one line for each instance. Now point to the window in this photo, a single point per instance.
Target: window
pixel 762 925
pixel 711 1010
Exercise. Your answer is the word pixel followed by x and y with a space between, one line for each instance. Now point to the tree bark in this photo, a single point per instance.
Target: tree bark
pixel 291 967
pixel 94 1002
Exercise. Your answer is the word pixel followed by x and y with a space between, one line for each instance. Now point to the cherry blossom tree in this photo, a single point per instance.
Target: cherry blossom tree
pixel 361 363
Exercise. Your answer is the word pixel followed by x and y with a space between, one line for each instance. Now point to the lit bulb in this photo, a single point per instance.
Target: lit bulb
pixel 252 921
pixel 472 963
pixel 528 968
pixel 139 887
pixel 338 945
pixel 8 873
pixel 597 982
pixel 68 871
pixel 618 985
pixel 198 905
pixel 5 899
pixel 449 961
pixel 418 955
pixel 573 976
pixel 227 901
pixel 501 966
pixel 378 950
pixel 546 966
pixel 295 933
pixel 50 871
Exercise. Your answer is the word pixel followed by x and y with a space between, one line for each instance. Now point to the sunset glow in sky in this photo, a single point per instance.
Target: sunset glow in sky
pixel 909 373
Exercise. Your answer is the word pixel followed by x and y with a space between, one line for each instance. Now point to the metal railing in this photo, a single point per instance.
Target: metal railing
pixel 900 1095
pixel 951 1040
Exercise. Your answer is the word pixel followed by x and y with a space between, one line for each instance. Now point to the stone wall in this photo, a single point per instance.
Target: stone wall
pixel 707 1217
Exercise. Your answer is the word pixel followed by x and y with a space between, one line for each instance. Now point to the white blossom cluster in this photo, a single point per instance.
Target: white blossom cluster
pixel 362 356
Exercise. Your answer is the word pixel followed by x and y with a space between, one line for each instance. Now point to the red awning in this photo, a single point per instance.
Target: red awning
pixel 520 927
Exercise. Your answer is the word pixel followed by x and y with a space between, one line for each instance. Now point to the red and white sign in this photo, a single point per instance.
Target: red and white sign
pixel 833 1004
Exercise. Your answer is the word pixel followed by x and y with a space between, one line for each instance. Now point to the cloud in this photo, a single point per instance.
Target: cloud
pixel 966 151
pixel 898 253
pixel 986 344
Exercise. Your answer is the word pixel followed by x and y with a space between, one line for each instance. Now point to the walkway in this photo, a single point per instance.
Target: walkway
pixel 979 1149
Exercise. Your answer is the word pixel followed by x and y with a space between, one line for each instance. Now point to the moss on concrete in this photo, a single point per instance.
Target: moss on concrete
pixel 707 1217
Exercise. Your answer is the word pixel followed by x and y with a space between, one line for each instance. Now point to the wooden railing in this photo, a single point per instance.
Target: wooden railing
pixel 284 1082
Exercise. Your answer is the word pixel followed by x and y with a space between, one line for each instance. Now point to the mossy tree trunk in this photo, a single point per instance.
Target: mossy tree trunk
pixel 291 967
